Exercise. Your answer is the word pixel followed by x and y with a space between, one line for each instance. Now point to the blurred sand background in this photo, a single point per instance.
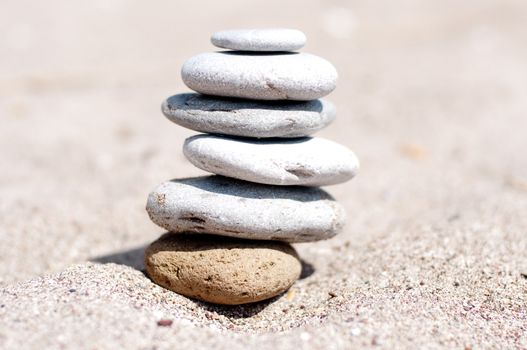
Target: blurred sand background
pixel 432 97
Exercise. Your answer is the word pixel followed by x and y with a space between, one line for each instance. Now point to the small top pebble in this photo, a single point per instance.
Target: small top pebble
pixel 266 40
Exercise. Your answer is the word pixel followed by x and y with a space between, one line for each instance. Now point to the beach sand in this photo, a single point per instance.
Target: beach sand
pixel 431 97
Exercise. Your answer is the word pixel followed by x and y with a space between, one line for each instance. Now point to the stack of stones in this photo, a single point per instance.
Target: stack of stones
pixel 230 233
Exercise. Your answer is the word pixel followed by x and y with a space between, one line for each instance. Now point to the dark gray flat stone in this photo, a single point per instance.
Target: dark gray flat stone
pixel 248 118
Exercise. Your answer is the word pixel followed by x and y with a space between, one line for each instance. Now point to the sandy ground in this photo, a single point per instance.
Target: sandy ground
pixel 432 97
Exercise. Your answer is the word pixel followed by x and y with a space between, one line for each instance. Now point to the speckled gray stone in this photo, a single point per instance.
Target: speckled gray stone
pixel 305 161
pixel 271 39
pixel 284 76
pixel 248 118
pixel 230 207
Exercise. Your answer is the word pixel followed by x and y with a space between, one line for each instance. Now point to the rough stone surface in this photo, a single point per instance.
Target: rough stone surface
pixel 305 161
pixel 264 76
pixel 271 39
pixel 222 270
pixel 229 207
pixel 248 118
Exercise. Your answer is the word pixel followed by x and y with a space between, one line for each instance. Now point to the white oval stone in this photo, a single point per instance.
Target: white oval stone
pixel 230 207
pixel 272 39
pixel 305 161
pixel 284 76
pixel 248 118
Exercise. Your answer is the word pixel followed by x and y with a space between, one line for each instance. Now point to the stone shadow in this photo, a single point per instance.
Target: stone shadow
pixel 218 184
pixel 133 258
pixel 194 101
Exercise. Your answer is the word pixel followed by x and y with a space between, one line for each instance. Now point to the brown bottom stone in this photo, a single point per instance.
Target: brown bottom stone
pixel 222 270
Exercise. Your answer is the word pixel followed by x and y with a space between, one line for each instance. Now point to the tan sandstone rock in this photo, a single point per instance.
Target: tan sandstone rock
pixel 222 270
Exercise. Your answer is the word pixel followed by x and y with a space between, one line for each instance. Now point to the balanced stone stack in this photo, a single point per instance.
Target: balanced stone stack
pixel 256 105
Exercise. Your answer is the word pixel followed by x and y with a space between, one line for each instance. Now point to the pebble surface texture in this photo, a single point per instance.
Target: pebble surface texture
pixel 265 76
pixel 229 207
pixel 222 270
pixel 272 39
pixel 248 118
pixel 234 88
pixel 305 161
